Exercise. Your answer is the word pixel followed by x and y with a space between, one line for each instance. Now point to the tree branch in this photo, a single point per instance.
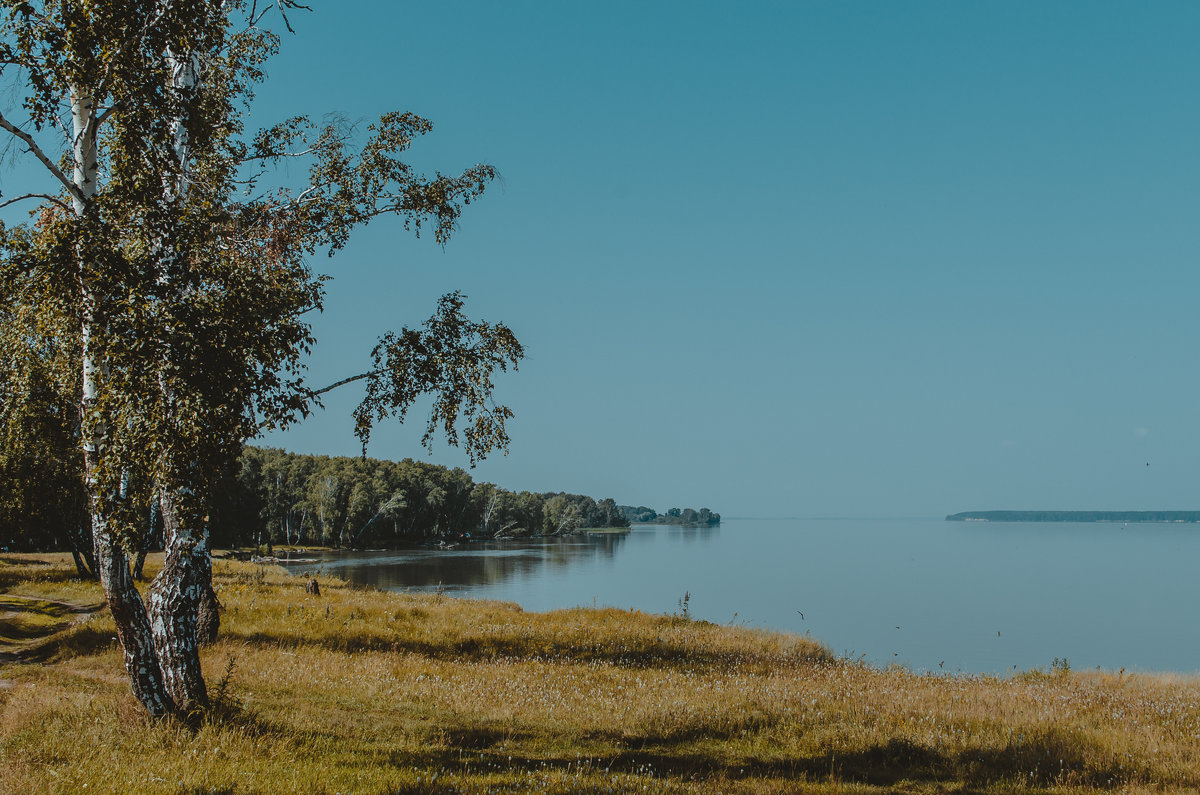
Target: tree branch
pixel 309 394
pixel 107 112
pixel 277 155
pixel 45 196
pixel 312 393
pixel 57 121
pixel 40 155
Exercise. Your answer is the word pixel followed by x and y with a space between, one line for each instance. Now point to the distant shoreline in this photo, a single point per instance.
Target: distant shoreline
pixel 1076 516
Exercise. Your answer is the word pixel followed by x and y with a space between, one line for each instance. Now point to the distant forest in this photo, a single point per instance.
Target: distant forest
pixel 277 497
pixel 281 497
pixel 1075 516
pixel 684 516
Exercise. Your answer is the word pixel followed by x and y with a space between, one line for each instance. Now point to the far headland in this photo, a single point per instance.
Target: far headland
pixel 1075 516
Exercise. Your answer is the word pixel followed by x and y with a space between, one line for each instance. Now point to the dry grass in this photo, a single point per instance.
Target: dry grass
pixel 362 691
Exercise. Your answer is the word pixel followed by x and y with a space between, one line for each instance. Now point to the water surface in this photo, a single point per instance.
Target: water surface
pixel 926 593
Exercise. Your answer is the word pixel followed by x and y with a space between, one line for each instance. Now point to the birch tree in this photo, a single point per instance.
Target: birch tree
pixel 76 66
pixel 562 516
pixel 189 281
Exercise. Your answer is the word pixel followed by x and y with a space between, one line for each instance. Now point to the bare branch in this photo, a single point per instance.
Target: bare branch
pixel 57 121
pixel 107 112
pixel 275 155
pixel 312 393
pixel 286 4
pixel 45 196
pixel 40 155
pixel 303 196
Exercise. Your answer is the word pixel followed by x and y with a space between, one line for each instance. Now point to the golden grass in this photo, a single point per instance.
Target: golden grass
pixel 363 691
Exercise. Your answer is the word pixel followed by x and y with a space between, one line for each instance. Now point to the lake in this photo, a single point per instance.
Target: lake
pixel 926 593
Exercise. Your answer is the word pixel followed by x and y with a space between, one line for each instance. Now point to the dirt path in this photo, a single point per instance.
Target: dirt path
pixel 27 622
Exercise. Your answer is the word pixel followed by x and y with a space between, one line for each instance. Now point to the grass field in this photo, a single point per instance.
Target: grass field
pixel 363 691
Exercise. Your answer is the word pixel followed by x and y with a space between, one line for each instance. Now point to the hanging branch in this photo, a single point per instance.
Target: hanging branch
pixel 45 196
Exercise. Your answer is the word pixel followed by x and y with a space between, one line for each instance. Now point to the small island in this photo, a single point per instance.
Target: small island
pixel 1075 516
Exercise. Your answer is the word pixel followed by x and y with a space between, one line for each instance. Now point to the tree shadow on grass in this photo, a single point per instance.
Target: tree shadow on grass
pixel 1044 759
pixel 1051 757
pixel 16 570
pixel 38 630
pixel 474 649
pixel 4 559
pixel 78 641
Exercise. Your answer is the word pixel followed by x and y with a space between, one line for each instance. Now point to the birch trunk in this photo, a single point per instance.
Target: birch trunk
pixel 174 607
pixel 133 625
pixel 83 550
pixel 186 576
pixel 124 602
pixel 208 617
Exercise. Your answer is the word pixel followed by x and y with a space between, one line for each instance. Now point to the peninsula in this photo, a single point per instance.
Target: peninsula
pixel 1075 516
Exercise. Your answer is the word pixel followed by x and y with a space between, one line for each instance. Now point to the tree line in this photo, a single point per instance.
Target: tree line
pixel 278 497
pixel 683 516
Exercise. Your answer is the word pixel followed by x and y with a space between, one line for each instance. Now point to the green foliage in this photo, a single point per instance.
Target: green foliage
pixel 560 516
pixel 453 359
pixel 181 271
pixel 284 498
pixel 41 464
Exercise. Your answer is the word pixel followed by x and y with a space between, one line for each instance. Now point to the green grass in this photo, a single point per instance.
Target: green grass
pixel 364 691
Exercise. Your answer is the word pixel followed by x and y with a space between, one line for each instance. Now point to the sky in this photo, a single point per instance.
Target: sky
pixel 791 259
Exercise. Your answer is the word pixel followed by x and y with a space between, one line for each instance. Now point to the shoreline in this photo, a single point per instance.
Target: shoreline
pixel 358 690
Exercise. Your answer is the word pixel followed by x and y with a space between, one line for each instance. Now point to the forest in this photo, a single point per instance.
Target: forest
pixel 281 497
pixel 278 497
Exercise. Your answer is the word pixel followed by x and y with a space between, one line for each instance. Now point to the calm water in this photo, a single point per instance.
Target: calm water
pixel 931 594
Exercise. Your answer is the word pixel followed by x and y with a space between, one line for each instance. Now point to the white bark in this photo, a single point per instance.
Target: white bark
pixel 487 516
pixel 185 578
pixel 185 79
pixel 86 172
pixel 85 177
pixel 125 603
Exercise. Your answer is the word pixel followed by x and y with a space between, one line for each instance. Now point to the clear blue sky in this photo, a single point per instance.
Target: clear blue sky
pixel 857 259
pixel 801 259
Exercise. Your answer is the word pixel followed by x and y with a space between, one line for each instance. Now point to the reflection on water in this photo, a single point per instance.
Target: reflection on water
pixel 930 594
pixel 463 568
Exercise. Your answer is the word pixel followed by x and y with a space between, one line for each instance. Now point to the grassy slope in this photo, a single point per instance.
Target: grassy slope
pixel 361 691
